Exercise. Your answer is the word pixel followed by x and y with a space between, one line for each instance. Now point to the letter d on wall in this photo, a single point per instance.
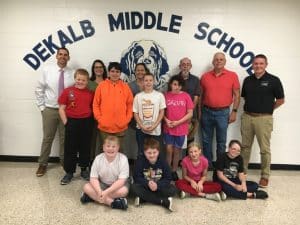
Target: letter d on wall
pixel 32 60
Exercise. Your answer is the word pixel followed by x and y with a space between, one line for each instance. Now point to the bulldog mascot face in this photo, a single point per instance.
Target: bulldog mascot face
pixel 150 53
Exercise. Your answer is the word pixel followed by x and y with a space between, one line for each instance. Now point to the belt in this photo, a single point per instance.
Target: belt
pixel 216 108
pixel 258 114
pixel 51 108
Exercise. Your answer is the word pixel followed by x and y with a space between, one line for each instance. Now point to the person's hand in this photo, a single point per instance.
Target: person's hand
pixel 65 121
pixel 244 188
pixel 194 185
pixel 238 187
pixel 200 187
pixel 168 122
pixel 174 124
pixel 152 185
pixel 232 117
pixel 102 196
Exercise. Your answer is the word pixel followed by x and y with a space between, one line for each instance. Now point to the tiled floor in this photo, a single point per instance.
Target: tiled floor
pixel 27 199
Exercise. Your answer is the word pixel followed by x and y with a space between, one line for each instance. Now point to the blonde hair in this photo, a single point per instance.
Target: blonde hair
pixel 194 144
pixel 82 72
pixel 111 138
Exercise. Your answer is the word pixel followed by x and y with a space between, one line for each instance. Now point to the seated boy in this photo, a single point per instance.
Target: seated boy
pixel 152 177
pixel 109 177
pixel 230 174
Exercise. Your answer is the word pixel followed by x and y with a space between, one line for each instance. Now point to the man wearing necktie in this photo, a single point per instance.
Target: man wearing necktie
pixel 53 80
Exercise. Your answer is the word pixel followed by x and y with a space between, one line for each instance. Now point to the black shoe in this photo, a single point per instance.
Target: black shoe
pixel 66 179
pixel 259 194
pixel 85 198
pixel 168 203
pixel 174 176
pixel 119 203
pixel 85 174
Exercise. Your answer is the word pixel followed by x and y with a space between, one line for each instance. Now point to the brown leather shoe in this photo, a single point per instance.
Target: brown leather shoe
pixel 263 183
pixel 41 170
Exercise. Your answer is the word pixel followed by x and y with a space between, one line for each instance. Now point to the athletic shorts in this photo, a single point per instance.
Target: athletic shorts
pixel 104 186
pixel 177 141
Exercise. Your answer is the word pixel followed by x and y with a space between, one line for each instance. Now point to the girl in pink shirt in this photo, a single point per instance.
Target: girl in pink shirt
pixel 194 172
pixel 177 115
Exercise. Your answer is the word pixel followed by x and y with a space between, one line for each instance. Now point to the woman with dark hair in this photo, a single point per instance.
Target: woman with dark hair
pixel 99 74
pixel 137 85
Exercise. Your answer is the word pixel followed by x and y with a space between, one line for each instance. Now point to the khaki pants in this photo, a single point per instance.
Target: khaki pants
pixel 51 122
pixel 261 127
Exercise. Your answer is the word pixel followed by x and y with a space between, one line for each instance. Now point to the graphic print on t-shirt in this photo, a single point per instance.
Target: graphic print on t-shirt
pixel 147 111
pixel 151 174
pixel 232 171
pixel 71 98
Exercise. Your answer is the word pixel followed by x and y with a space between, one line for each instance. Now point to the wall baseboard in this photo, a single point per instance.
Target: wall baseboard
pixel 11 158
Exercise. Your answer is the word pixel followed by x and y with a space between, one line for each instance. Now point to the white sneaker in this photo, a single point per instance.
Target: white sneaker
pixel 182 194
pixel 216 197
pixel 223 196
pixel 137 201
pixel 170 204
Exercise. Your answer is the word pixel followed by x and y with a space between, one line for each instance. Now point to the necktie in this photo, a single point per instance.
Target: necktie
pixel 61 84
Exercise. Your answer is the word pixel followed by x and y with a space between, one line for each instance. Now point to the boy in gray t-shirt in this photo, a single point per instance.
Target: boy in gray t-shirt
pixel 108 179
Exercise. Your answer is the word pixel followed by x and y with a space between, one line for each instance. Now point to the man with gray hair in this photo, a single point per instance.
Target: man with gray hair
pixel 192 87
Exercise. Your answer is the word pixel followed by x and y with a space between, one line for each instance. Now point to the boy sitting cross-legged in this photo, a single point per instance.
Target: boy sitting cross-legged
pixel 109 177
pixel 152 177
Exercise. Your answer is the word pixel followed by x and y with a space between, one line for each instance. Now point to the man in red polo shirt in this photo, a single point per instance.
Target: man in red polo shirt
pixel 220 88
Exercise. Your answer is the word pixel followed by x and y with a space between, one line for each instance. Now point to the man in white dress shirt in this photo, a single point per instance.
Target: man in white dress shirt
pixel 52 81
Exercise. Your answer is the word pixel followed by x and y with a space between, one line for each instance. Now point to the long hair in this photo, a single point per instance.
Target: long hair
pixel 93 77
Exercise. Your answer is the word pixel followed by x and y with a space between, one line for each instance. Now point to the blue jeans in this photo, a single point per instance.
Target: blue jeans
pixel 210 120
pixel 231 192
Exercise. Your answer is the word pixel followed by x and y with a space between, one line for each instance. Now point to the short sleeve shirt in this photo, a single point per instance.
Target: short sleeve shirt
pixel 260 94
pixel 230 167
pixel 109 172
pixel 177 107
pixel 195 171
pixel 217 91
pixel 78 102
pixel 148 105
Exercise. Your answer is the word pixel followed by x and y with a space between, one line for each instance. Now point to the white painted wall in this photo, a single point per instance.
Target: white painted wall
pixel 269 27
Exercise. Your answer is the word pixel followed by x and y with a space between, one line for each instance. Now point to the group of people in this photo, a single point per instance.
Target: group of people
pixel 81 107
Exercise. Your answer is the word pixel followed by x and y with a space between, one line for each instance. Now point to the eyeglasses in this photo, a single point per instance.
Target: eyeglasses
pixel 98 67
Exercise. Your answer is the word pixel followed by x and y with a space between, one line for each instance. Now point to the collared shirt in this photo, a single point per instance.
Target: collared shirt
pixel 260 94
pixel 46 91
pixel 192 86
pixel 217 91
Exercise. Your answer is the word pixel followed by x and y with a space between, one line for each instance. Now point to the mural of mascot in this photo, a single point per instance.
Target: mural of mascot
pixel 150 53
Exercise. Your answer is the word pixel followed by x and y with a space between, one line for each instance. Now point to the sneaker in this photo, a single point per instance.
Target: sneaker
pixel 223 196
pixel 137 201
pixel 174 176
pixel 85 198
pixel 119 203
pixel 182 194
pixel 263 183
pixel 216 197
pixel 259 194
pixel 168 203
pixel 41 170
pixel 85 174
pixel 66 179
